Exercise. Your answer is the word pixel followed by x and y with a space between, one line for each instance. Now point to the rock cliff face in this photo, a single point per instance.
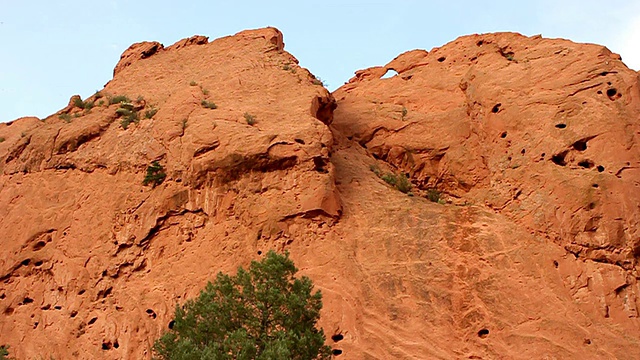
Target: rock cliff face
pixel 526 147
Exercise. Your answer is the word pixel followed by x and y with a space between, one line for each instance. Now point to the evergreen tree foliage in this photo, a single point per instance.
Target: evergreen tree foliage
pixel 155 174
pixel 263 313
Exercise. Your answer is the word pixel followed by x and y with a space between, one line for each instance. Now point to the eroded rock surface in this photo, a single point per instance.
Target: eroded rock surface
pixel 531 144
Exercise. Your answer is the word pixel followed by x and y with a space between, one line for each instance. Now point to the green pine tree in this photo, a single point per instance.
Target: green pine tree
pixel 4 352
pixel 263 313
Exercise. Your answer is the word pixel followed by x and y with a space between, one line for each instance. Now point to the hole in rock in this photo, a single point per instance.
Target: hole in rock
pixel 600 168
pixel 38 263
pixel 561 126
pixel 73 314
pixel 555 264
pixel 591 205
pixel 496 108
pixel 480 43
pixel 39 245
pixel 611 93
pixel 25 262
pixel 92 321
pixel 116 345
pixel 337 337
pixel 320 164
pixel 608 82
pixel 299 141
pixel 336 352
pixel 35 324
pixel 587 341
pixel 558 159
pixel 8 311
pixel 2 296
pixel 523 151
pixel 587 164
pixel 46 307
pixel 483 333
pixel 259 252
pixel 106 346
pixel 595 185
pixel 151 313
pixel 503 135
pixel 81 292
pixel 27 300
pixel 58 307
pixel 441 59
pixel 389 74
pixel 171 323
pixel 599 92
pixel 580 145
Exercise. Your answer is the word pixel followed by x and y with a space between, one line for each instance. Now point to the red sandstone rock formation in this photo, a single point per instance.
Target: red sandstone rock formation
pixel 531 142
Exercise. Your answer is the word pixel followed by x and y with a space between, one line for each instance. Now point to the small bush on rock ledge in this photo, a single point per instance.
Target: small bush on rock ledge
pixel 263 313
pixel 155 174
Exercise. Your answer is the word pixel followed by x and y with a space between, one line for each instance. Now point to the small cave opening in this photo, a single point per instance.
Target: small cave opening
pixel 38 263
pixel 587 164
pixel 611 93
pixel 600 168
pixel 73 314
pixel 389 74
pixel 441 59
pixel 39 245
pixel 496 108
pixel 559 159
pixel 58 307
pixel 483 333
pixel 299 141
pixel 151 313
pixel 82 291
pixel 503 135
pixel 25 262
pixel 580 145
pixel 337 337
pixel 259 252
pixel 561 126
pixel 171 324
pixel 320 164
pixel 595 186
pixel 480 43
pixel 523 151
pixel 92 321
pixel 106 345
pixel 336 352
pixel 555 263
pixel 116 345
pixel 27 300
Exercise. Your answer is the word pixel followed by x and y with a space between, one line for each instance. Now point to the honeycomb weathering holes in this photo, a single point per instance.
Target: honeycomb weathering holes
pixel 580 145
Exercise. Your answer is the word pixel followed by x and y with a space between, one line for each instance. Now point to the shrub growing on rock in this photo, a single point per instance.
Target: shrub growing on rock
pixel 155 174
pixel 263 313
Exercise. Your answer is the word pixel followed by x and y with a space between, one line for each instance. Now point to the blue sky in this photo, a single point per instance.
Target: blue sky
pixel 50 50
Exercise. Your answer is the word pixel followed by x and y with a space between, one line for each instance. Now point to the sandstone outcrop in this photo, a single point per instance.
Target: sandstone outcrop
pixel 529 144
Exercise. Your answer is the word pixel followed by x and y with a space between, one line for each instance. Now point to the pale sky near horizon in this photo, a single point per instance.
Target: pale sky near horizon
pixel 53 49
